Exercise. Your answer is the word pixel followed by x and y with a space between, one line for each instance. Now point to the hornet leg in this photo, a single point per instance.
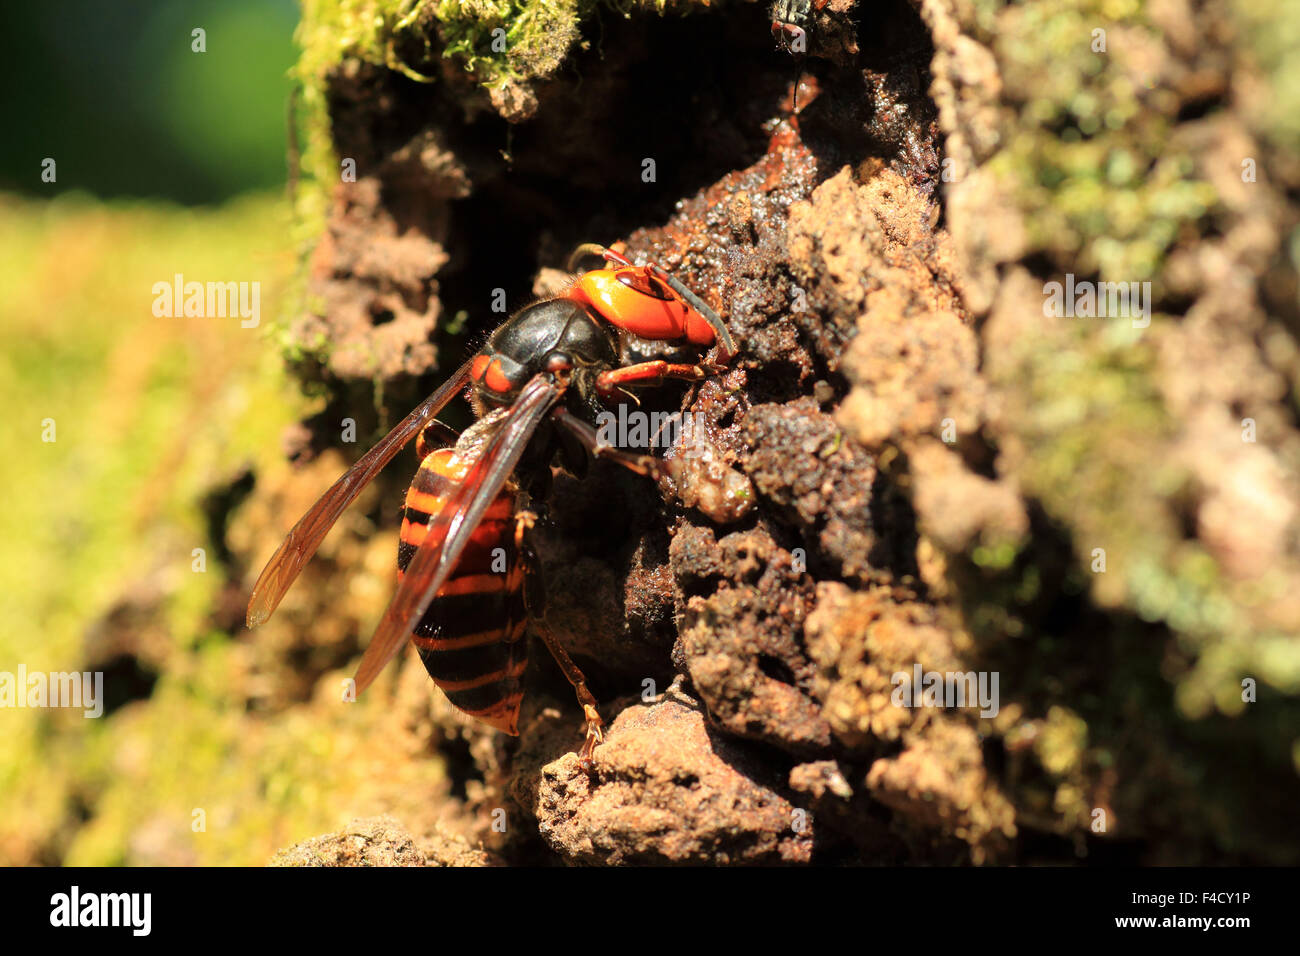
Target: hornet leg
pixel 590 440
pixel 609 384
pixel 534 601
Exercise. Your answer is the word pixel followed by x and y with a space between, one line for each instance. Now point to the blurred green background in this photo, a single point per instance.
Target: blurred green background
pixel 115 94
pixel 168 161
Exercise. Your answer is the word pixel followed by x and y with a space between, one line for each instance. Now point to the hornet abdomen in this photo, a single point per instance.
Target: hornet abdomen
pixel 472 638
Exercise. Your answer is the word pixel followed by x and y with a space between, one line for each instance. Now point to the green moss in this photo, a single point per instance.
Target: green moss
pixel 1062 743
pixel 1271 31
pixel 1106 188
pixel 1089 411
pixel 498 42
pixel 408 36
pixel 998 557
pixel 1089 157
pixel 534 38
pixel 1092 156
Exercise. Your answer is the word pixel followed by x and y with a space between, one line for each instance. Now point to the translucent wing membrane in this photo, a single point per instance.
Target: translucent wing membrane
pixel 451 529
pixel 301 543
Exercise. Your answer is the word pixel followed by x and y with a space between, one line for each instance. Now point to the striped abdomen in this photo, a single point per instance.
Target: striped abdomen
pixel 471 639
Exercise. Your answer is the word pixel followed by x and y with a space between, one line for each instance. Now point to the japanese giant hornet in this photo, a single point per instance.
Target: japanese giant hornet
pixel 468 579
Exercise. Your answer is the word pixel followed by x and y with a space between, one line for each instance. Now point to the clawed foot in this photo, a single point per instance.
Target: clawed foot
pixel 595 736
